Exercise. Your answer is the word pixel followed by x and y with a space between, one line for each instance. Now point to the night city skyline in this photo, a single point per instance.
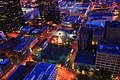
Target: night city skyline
pixel 59 39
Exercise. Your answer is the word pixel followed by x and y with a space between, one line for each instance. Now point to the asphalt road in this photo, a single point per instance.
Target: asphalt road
pixel 64 73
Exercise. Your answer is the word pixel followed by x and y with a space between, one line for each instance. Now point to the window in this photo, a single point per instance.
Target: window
pixel 102 62
pixel 99 57
pixel 98 62
pixel 117 68
pixel 107 63
pixel 111 67
pixel 112 64
pixel 117 65
pixel 99 54
pixel 106 68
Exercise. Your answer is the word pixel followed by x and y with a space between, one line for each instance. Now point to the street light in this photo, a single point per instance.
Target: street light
pixel 59 40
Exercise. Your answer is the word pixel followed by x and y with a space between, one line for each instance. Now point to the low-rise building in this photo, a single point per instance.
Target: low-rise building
pixel 85 58
pixel 20 72
pixel 70 20
pixel 42 71
pixel 25 45
pixel 5 66
pixel 80 9
pixel 18 46
pixel 26 29
pixel 100 16
pixel 36 31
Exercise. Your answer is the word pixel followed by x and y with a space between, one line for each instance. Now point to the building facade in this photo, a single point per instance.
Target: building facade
pixel 112 31
pixel 108 58
pixel 5 66
pixel 49 10
pixel 11 16
pixel 85 38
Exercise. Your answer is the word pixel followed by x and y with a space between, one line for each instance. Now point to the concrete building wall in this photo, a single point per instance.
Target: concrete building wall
pixel 107 61
pixel 113 34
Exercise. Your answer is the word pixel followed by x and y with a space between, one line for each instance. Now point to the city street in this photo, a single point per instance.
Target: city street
pixel 64 73
pixel 72 58
pixel 23 62
pixel 8 73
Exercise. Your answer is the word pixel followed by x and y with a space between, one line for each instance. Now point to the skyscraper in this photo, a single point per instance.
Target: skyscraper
pixel 108 50
pixel 85 38
pixel 112 31
pixel 11 16
pixel 49 10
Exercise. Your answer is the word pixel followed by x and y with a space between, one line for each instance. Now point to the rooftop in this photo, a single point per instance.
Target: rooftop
pixel 116 0
pixel 34 30
pixel 85 57
pixel 12 42
pixel 20 72
pixel 27 29
pixel 24 43
pixel 108 47
pixel 72 19
pixel 4 61
pixel 113 24
pixel 82 5
pixel 41 71
pixel 102 15
pixel 95 24
pixel 80 10
pixel 16 44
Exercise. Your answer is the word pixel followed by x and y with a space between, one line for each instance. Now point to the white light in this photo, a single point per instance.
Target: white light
pixel 59 39
pixel 72 51
pixel 60 33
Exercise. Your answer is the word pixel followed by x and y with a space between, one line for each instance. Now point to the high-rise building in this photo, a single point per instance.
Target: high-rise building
pixel 108 57
pixel 112 31
pixel 11 16
pixel 85 38
pixel 108 51
pixel 49 10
